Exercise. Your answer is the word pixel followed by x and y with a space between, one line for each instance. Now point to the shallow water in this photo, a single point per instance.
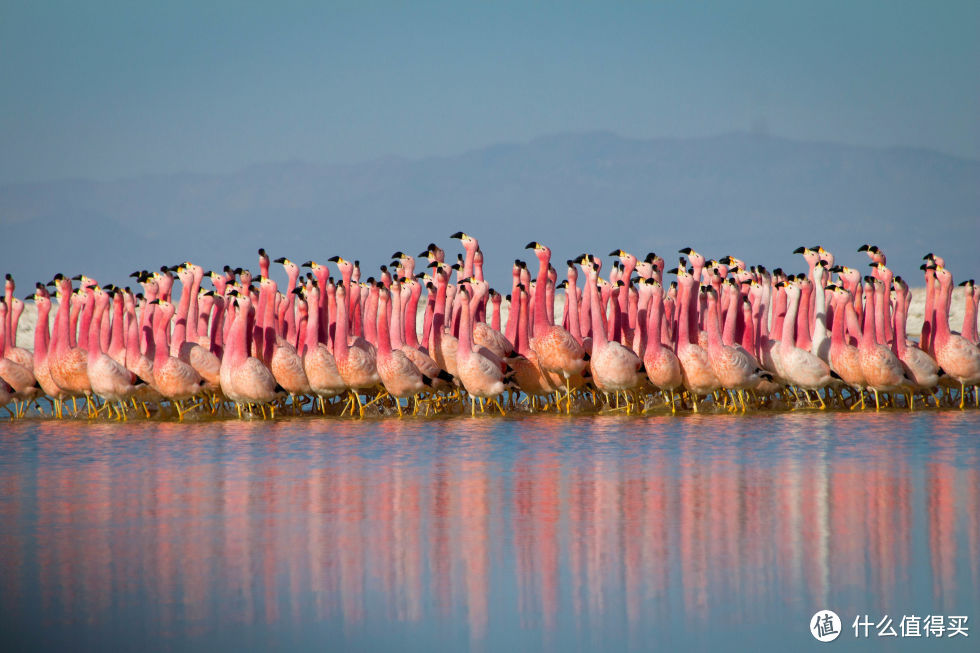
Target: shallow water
pixel 586 533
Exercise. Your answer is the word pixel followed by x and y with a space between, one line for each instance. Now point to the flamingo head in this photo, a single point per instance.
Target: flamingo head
pixel 696 259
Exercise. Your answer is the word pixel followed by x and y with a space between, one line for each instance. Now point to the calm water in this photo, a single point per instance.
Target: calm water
pixel 488 534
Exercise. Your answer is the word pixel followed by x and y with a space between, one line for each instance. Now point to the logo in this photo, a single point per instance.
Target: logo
pixel 825 625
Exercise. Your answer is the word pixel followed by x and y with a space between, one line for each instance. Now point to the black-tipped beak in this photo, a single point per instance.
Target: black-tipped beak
pixel 531 245
pixel 308 264
pixel 420 275
pixel 135 275
pixel 397 255
pixel 155 301
pixel 864 248
pixel 77 277
pixel 672 271
pixel 433 264
pixel 799 250
pixel 297 291
pixel 425 253
pixel 333 259
pixel 458 235
pixel 686 251
pixel 281 259
pixel 616 252
pixel 928 257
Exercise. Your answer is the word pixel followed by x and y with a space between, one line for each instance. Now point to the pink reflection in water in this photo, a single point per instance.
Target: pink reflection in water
pixel 413 527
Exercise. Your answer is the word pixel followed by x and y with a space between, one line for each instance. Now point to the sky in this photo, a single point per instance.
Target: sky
pixel 105 90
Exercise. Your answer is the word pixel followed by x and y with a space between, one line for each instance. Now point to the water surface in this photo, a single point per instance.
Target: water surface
pixel 562 534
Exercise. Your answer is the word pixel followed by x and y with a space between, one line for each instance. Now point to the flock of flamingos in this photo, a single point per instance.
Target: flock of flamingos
pixel 723 336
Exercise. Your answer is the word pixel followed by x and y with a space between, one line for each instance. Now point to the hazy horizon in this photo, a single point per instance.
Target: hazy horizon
pixel 113 90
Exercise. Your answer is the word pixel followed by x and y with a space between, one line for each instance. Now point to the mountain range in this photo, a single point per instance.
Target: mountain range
pixel 753 196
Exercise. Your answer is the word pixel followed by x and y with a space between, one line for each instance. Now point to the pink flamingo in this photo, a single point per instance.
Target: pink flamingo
pixel 733 366
pixel 882 370
pixel 110 380
pixel 800 367
pixel 67 364
pixel 244 379
pixel 919 366
pixel 174 379
pixel 527 373
pixel 614 367
pixel 356 366
pixel 699 377
pixel 398 374
pixel 41 343
pixel 557 350
pixel 959 358
pixel 480 376
pixel 845 360
pixel 661 364
pixel 318 361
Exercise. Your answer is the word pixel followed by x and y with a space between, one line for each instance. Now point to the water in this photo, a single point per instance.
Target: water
pixel 561 534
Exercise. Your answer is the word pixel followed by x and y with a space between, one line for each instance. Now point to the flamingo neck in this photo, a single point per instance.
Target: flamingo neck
pixel 340 336
pixel 465 331
pixel 898 342
pixel 654 318
pixel 599 339
pixel 312 326
pixel 540 298
pixel 383 336
pixel 712 324
pixel 411 317
pixel 969 330
pixel 396 320
pixel 41 332
pixel 161 324
pixel 789 322
pixel 868 335
pixel 522 325
pixel 571 303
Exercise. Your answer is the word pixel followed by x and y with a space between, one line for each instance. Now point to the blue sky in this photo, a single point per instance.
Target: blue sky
pixel 115 89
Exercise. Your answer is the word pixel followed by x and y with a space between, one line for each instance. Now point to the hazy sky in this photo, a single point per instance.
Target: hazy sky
pixel 113 89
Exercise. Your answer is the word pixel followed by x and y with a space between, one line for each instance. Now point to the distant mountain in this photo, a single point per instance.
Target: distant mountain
pixel 755 197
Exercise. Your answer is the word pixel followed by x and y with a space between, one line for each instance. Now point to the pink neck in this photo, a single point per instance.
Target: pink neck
pixel 540 298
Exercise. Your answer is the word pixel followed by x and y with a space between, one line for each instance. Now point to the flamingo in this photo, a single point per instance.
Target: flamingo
pixel 527 373
pixel 356 365
pixel 800 367
pixel 845 360
pixel 41 343
pixel 318 361
pixel 614 368
pixel 109 379
pixel 661 364
pixel 244 379
pixel 699 377
pixel 480 376
pixel 174 379
pixel 733 366
pixel 557 350
pixel 918 365
pixel 955 354
pixel 881 368
pixel 67 364
pixel 398 374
